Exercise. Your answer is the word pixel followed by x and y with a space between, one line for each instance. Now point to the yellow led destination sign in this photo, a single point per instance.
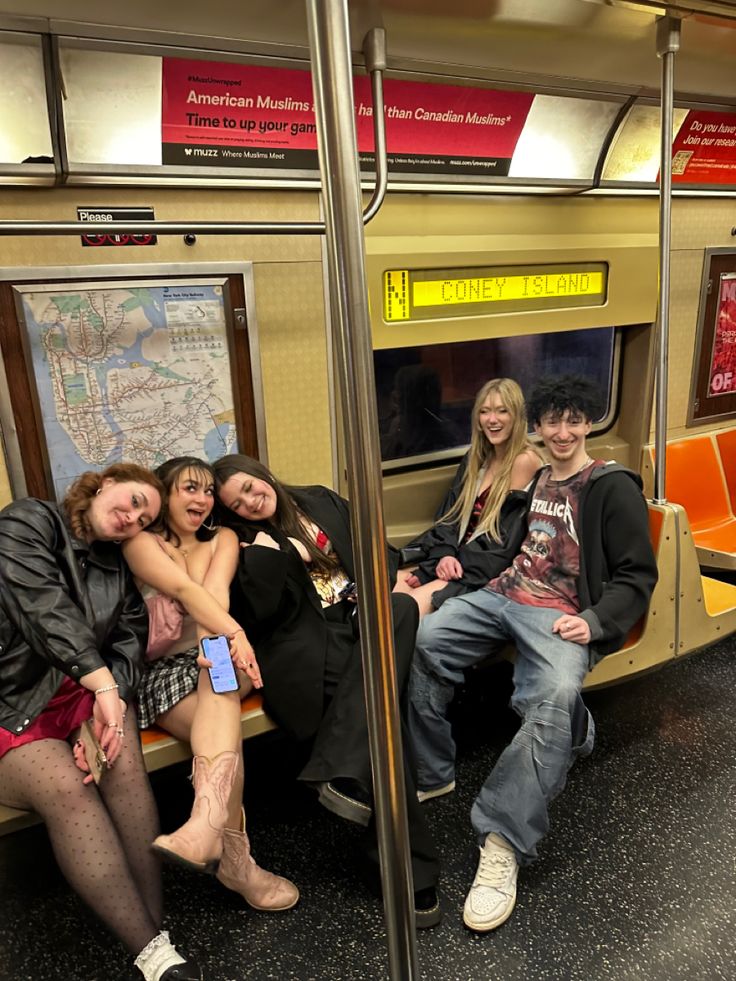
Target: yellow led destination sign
pixel 440 293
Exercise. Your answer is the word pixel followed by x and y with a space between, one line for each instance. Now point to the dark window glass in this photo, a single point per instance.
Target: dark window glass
pixel 425 394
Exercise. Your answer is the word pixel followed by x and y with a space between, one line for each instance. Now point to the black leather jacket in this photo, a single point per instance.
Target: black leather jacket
pixel 66 608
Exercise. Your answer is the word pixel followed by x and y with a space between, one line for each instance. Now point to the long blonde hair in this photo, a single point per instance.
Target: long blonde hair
pixel 481 454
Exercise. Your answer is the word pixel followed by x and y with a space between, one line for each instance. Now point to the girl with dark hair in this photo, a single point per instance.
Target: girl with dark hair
pixel 292 592
pixel 72 633
pixel 184 570
pixel 479 525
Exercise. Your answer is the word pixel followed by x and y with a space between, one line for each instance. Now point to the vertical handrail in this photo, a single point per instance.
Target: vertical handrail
pixel 335 113
pixel 668 43
pixel 374 51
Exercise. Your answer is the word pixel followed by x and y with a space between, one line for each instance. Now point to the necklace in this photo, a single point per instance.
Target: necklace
pixel 586 463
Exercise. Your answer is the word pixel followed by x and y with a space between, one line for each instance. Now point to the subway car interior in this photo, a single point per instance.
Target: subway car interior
pixel 200 257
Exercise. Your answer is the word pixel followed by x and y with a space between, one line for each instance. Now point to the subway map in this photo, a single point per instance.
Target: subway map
pixel 139 374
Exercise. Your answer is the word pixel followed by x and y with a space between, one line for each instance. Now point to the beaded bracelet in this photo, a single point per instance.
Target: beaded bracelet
pixel 112 687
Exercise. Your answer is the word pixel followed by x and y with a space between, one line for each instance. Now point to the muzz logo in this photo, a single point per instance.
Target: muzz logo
pixel 188 151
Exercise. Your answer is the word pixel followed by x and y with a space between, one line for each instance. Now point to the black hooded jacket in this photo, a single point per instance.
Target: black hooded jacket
pixel 618 570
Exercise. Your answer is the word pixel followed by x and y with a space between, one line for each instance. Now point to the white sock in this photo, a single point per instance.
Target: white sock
pixel 157 956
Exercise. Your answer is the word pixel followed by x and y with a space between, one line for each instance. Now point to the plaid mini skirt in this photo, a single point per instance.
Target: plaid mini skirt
pixel 165 682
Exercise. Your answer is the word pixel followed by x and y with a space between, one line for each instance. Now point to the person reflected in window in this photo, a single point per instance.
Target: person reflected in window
pixel 294 594
pixel 480 524
pixel 416 424
pixel 184 566
pixel 73 629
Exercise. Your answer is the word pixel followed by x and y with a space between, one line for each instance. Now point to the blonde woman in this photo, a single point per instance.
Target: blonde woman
pixel 478 526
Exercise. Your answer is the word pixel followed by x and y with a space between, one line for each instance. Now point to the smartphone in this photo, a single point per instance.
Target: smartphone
pixel 222 672
pixel 347 591
pixel 94 753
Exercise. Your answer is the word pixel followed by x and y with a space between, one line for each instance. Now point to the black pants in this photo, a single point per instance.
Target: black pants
pixel 341 746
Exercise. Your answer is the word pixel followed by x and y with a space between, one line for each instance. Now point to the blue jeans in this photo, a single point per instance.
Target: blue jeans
pixel 556 727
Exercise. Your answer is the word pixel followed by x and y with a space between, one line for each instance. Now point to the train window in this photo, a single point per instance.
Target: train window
pixel 635 151
pixel 25 136
pixel 562 138
pixel 112 109
pixel 425 394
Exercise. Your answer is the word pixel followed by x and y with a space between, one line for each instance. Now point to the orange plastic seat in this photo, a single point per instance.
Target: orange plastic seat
pixel 727 449
pixel 694 479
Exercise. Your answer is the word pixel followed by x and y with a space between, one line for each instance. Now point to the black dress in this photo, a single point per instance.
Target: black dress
pixel 311 664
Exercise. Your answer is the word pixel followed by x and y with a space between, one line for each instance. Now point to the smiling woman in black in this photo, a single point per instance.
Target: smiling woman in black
pixel 289 593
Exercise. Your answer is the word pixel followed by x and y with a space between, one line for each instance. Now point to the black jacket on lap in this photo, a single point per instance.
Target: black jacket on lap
pixel 482 558
pixel 66 608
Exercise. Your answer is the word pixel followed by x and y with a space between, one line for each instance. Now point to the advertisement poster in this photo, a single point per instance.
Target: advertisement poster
pixel 216 114
pixel 704 150
pixel 723 360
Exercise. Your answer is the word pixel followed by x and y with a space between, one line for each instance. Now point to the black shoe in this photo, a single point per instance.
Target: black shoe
pixel 188 971
pixel 346 798
pixel 427 912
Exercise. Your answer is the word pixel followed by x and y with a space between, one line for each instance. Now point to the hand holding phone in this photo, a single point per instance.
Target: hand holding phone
pixel 222 673
pixel 90 757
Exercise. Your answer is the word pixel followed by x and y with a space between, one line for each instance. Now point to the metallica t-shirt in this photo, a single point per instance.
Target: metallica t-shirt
pixel 545 571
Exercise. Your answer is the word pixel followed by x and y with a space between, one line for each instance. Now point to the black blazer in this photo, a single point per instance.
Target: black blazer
pixel 274 600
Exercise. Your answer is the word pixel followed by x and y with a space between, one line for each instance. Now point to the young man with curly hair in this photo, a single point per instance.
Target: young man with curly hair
pixel 582 578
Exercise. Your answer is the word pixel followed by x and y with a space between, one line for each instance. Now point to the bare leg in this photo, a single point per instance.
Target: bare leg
pixel 180 719
pixel 422 595
pixel 211 723
pixel 88 846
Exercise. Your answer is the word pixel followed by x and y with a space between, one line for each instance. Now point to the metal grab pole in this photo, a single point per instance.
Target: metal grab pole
pixel 374 51
pixel 333 92
pixel 668 42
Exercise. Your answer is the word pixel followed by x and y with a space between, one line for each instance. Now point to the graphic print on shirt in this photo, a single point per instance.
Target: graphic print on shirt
pixel 545 571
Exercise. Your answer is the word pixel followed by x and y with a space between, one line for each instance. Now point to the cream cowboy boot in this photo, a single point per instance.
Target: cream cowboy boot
pixel 238 871
pixel 198 843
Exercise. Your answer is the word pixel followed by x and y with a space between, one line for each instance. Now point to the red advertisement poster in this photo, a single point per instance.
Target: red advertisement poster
pixel 723 359
pixel 216 114
pixel 704 150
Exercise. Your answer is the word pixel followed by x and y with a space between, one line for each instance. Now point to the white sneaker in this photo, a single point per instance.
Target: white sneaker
pixel 492 896
pixel 447 788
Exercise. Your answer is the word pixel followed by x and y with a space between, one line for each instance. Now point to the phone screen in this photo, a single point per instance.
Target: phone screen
pixel 222 672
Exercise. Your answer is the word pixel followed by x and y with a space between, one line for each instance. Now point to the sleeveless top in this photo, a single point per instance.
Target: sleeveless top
pixel 169 610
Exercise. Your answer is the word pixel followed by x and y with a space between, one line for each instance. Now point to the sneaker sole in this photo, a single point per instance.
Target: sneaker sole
pixel 424 795
pixel 425 919
pixel 485 926
pixel 345 807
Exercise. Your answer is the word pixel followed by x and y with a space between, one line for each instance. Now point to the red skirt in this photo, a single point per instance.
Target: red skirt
pixel 66 711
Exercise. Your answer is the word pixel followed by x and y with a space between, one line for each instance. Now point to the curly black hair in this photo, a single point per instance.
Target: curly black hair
pixel 559 394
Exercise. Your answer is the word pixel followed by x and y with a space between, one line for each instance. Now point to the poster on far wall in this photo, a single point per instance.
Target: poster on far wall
pixel 722 376
pixel 223 114
pixel 704 150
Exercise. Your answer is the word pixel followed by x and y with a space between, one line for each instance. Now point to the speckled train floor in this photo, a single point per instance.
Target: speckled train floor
pixel 636 880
